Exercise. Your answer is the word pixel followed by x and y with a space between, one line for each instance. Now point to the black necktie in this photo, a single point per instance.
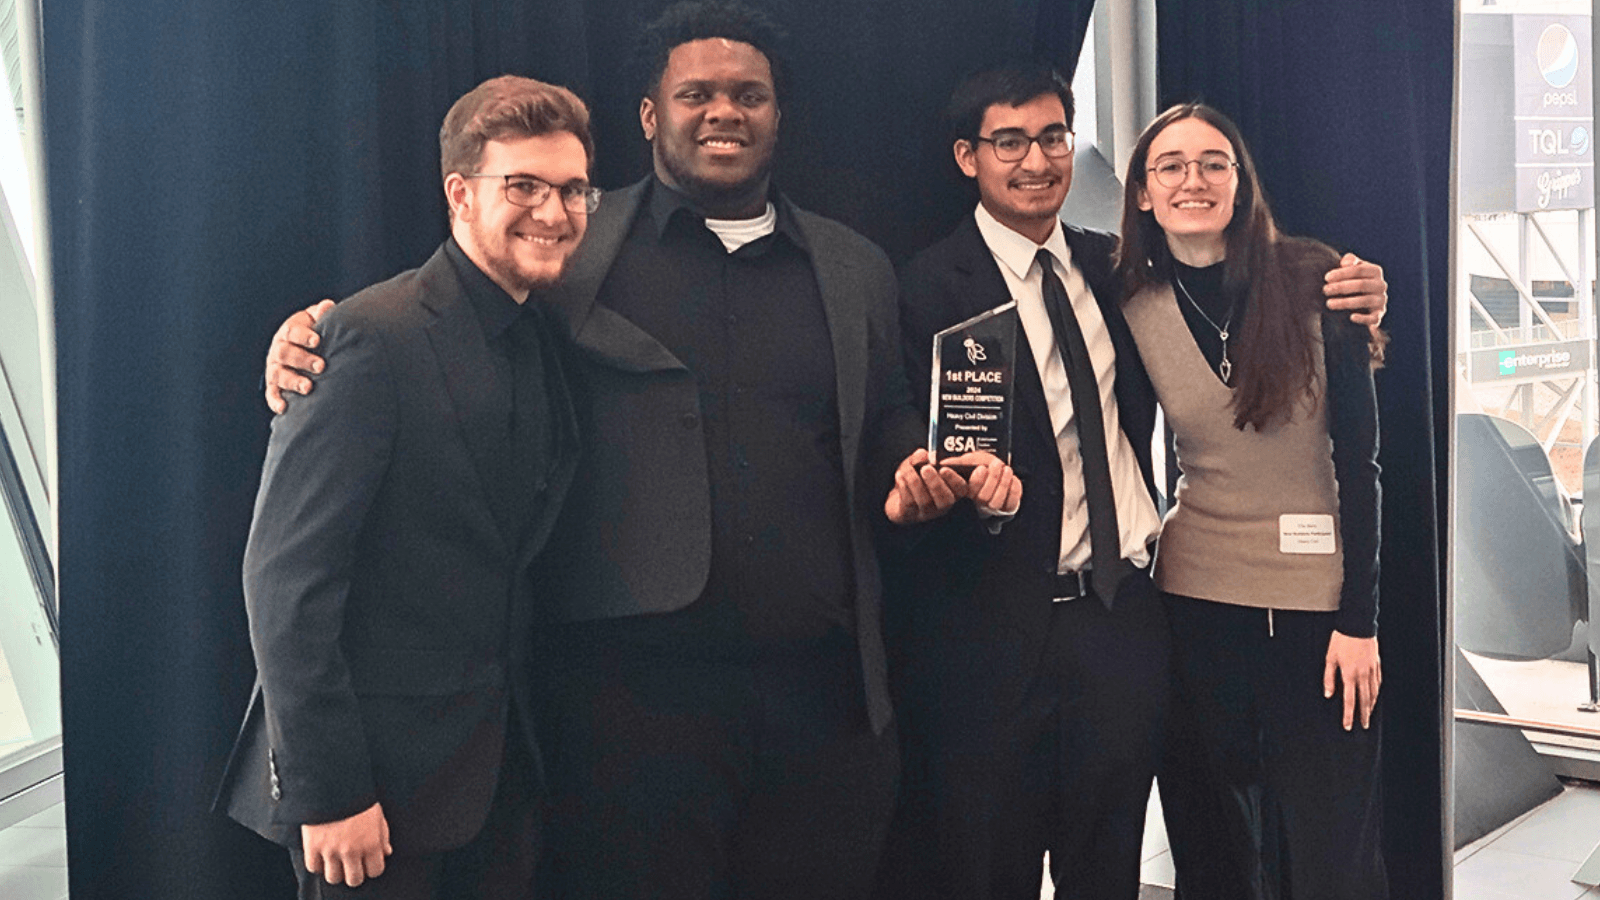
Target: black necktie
pixel 530 419
pixel 1105 542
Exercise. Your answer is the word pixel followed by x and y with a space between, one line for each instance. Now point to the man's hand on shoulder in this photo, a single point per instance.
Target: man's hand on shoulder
pixel 1358 286
pixel 348 851
pixel 289 359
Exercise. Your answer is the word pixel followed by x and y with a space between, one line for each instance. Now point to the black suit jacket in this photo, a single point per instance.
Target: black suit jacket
pixel 970 610
pixel 640 540
pixel 388 597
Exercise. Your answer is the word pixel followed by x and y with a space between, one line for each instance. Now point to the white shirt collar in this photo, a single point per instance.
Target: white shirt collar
pixel 1016 251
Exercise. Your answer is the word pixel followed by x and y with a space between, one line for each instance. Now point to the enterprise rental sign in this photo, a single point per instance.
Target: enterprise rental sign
pixel 1554 112
pixel 1529 362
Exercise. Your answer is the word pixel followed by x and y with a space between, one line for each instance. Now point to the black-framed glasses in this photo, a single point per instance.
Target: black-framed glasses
pixel 1215 168
pixel 531 192
pixel 1012 144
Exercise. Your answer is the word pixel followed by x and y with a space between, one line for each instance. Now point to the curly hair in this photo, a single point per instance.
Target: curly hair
pixel 695 20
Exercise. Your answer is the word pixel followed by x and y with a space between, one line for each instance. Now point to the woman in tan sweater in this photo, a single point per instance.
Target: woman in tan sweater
pixel 1268 559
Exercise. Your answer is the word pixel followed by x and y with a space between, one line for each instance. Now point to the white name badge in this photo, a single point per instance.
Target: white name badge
pixel 1305 533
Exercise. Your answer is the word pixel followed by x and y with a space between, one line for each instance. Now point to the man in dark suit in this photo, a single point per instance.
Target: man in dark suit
pixel 387 572
pixel 1031 689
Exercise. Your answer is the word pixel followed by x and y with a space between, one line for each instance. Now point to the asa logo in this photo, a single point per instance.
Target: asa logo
pixel 1558 56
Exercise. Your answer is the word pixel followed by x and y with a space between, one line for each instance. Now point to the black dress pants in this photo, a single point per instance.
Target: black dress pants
pixel 1265 795
pixel 711 779
pixel 1067 773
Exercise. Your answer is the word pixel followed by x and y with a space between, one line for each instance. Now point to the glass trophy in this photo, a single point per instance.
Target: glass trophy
pixel 973 365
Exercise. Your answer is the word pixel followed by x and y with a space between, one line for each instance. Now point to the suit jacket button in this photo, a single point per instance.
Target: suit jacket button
pixel 690 420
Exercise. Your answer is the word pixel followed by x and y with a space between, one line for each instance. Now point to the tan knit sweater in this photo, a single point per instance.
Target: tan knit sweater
pixel 1221 541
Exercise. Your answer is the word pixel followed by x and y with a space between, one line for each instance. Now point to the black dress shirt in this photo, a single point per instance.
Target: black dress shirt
pixel 520 353
pixel 751 328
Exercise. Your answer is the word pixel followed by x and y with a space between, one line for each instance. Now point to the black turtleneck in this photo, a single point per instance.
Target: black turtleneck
pixel 1206 310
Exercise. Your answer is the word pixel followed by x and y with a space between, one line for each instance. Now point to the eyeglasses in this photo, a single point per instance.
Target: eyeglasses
pixel 530 192
pixel 1012 144
pixel 1215 168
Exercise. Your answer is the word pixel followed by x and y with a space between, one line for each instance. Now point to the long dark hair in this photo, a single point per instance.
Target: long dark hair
pixel 1275 353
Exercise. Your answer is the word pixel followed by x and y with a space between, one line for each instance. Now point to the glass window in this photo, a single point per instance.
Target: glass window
pixel 1526 479
pixel 32 829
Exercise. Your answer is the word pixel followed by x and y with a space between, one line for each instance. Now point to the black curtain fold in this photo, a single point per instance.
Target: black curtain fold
pixel 1347 109
pixel 213 167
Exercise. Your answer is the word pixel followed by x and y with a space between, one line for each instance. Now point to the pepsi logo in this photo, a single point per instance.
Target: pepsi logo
pixel 1558 56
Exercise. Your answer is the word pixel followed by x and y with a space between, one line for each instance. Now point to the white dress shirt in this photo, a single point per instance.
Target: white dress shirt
pixel 1136 512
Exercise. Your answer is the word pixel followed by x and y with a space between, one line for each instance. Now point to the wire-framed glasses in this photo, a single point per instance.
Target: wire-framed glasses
pixel 531 192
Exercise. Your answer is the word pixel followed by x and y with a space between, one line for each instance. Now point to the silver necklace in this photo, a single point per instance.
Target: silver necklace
pixel 1225 368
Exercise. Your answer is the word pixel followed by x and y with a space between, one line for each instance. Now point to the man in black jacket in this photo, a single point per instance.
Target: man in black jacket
pixel 386 576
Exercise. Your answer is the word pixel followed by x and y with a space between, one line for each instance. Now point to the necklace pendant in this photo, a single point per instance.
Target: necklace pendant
pixel 1224 335
pixel 1225 369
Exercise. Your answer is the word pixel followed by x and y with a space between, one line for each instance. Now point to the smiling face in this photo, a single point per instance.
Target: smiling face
pixel 520 248
pixel 1195 214
pixel 713 121
pixel 1026 195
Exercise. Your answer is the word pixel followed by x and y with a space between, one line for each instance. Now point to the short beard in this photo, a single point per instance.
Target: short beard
pixel 512 277
pixel 506 273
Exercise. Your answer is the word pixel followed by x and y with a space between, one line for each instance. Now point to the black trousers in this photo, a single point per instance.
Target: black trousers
pixel 1265 795
pixel 711 779
pixel 498 864
pixel 1069 773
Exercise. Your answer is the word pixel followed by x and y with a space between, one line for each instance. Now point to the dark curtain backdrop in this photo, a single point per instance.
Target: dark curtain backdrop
pixel 212 167
pixel 1347 107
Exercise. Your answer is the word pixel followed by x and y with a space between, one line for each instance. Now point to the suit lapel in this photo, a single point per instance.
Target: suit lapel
pixel 595 329
pixel 480 400
pixel 837 282
pixel 1095 264
pixel 1136 405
